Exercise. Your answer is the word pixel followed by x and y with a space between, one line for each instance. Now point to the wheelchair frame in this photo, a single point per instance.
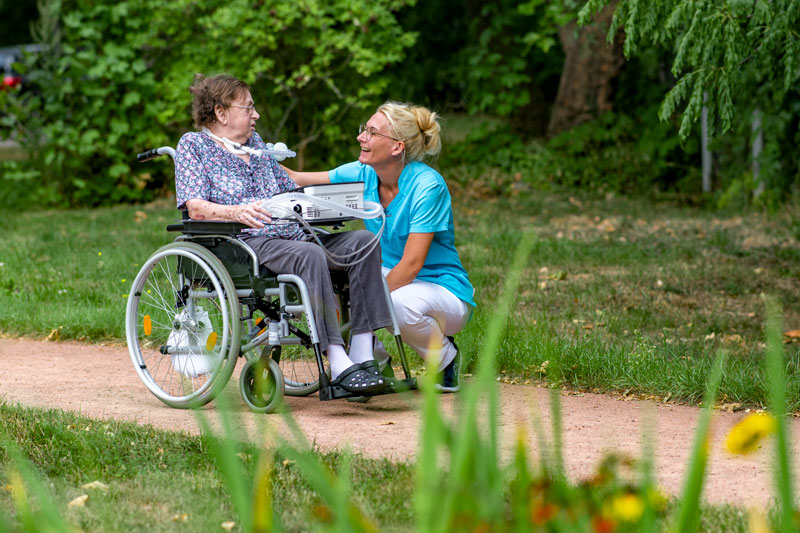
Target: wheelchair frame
pixel 208 266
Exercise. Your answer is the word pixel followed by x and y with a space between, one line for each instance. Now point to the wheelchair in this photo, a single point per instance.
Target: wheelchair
pixel 202 301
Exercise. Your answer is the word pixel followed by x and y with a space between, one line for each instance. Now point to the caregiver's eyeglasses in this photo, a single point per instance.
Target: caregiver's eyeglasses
pixel 250 108
pixel 372 131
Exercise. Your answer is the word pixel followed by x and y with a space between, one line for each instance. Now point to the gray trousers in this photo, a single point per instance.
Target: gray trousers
pixel 369 309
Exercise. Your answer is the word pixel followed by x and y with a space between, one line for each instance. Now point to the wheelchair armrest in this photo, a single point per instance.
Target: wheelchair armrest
pixel 204 227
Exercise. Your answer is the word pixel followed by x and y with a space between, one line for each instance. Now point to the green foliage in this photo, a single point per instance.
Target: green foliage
pixel 313 65
pixel 616 152
pixel 779 162
pixel 721 49
pixel 113 81
pixel 86 111
pixel 509 52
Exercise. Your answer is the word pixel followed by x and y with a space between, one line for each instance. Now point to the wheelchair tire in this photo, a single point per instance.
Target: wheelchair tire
pixel 261 385
pixel 183 325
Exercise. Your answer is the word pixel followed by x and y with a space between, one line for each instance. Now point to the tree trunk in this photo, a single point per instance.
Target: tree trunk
pixel 591 64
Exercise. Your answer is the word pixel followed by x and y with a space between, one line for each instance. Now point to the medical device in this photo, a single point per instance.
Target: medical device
pixel 279 151
pixel 323 204
pixel 326 204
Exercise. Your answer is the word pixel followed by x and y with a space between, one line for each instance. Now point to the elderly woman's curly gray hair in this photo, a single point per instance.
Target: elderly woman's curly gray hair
pixel 210 92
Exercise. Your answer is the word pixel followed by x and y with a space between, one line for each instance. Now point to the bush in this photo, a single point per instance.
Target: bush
pixel 113 81
pixel 615 153
pixel 89 107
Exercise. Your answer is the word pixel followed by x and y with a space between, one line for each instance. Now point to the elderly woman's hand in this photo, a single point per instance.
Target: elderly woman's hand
pixel 251 214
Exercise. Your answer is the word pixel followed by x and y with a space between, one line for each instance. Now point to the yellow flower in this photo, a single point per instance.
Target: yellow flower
pixel 627 507
pixel 745 437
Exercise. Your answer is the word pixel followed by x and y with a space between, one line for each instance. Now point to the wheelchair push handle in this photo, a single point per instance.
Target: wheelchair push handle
pixel 155 152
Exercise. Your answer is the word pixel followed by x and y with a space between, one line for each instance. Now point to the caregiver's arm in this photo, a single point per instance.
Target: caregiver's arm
pixel 414 255
pixel 307 178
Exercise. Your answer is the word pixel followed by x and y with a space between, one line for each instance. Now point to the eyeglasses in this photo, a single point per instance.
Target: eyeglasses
pixel 250 108
pixel 372 131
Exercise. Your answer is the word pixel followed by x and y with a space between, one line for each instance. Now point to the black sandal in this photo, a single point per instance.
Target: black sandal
pixel 373 367
pixel 359 381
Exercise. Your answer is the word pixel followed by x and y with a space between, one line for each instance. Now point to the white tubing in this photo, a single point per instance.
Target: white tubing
pixel 282 202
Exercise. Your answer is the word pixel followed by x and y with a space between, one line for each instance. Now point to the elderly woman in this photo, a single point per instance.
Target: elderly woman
pixel 431 292
pixel 218 177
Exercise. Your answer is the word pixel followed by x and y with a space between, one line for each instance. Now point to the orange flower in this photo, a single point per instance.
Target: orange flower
pixel 542 514
pixel 601 524
pixel 322 513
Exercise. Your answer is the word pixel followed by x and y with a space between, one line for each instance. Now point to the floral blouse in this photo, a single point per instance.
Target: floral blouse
pixel 205 170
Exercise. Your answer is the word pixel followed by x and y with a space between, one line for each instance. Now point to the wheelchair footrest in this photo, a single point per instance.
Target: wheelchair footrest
pixel 333 392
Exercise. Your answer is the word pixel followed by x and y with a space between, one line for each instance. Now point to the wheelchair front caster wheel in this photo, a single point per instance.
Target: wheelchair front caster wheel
pixel 261 385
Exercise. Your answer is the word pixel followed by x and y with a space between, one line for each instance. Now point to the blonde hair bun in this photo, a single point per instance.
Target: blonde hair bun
pixel 417 126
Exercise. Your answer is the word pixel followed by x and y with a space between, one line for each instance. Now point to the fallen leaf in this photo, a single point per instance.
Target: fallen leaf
pixel 710 336
pixel 588 327
pixel 55 334
pixel 80 501
pixel 228 526
pixel 139 216
pixel 733 339
pixel 793 334
pixel 731 407
pixel 607 226
pixel 387 423
pixel 95 485
pixel 287 462
pixel 183 517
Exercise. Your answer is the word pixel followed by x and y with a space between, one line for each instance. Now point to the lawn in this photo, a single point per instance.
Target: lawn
pixel 619 294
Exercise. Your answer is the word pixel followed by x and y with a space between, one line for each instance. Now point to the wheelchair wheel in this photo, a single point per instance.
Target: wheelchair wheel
pixel 299 367
pixel 261 384
pixel 183 325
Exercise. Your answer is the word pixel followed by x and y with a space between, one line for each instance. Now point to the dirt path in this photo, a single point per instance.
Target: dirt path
pixel 100 382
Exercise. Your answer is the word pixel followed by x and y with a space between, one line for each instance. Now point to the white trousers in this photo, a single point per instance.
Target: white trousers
pixel 427 313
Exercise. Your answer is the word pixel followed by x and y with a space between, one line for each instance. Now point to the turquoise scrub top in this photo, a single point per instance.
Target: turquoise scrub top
pixel 422 205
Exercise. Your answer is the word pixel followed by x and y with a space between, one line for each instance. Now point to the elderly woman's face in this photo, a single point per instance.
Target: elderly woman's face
pixel 239 118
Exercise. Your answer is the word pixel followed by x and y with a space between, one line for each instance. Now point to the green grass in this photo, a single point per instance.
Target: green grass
pixel 633 296
pixel 620 295
pixel 154 476
pixel 473 490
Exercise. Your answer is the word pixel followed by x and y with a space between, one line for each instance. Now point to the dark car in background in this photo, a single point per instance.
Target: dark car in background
pixel 10 55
